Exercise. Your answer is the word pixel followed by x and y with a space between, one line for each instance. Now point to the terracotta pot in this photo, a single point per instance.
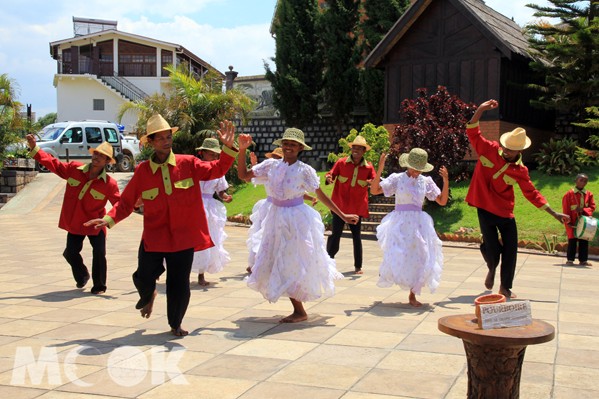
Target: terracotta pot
pixel 486 300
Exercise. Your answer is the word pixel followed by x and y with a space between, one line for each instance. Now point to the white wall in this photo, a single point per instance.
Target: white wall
pixel 75 95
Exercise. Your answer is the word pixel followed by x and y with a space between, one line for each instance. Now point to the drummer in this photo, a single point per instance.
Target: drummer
pixel 491 192
pixel 578 202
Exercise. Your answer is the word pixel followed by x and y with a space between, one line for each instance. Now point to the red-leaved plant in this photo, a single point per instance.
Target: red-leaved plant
pixel 437 124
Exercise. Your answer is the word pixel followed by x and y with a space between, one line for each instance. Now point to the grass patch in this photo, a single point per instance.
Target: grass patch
pixel 533 223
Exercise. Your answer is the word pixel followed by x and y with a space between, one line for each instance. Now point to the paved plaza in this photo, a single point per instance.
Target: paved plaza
pixel 57 341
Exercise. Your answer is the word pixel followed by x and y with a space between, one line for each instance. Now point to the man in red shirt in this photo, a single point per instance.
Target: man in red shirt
pixel 174 220
pixel 498 170
pixel 87 191
pixel 351 176
pixel 578 202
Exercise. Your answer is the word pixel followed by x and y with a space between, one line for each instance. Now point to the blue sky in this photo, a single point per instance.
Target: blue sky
pixel 221 32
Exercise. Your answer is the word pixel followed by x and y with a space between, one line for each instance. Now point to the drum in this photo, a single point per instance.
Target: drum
pixel 586 228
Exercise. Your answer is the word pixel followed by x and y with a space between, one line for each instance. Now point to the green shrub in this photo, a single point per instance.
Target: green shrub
pixel 563 157
pixel 376 137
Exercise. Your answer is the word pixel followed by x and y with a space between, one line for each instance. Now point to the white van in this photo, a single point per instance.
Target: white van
pixel 72 140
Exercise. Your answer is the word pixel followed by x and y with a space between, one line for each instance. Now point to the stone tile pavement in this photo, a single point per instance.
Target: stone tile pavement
pixel 57 341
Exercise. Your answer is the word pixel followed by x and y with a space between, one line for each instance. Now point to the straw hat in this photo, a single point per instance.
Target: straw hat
pixel 210 144
pixel 276 152
pixel 156 124
pixel 293 134
pixel 361 141
pixel 104 149
pixel 416 159
pixel 516 140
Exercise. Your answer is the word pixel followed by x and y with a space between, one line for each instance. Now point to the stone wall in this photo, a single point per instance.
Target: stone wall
pixel 12 181
pixel 321 136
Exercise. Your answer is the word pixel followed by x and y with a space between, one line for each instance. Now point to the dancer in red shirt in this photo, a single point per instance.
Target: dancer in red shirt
pixel 351 176
pixel 174 219
pixel 88 190
pixel 498 170
pixel 578 202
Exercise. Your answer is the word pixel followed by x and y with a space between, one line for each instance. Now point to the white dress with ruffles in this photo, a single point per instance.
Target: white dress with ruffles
pixel 259 212
pixel 213 259
pixel 291 258
pixel 412 251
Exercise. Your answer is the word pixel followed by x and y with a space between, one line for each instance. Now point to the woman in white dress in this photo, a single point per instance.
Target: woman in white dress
pixel 412 251
pixel 260 209
pixel 213 259
pixel 291 260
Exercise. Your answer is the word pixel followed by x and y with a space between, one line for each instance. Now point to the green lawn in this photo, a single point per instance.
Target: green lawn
pixel 532 222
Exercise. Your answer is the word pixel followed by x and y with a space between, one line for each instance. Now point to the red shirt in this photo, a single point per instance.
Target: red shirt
pixel 571 200
pixel 174 218
pixel 350 193
pixel 493 181
pixel 84 199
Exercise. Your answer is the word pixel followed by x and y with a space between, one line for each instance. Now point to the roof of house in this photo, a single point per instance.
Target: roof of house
pixel 506 34
pixel 107 34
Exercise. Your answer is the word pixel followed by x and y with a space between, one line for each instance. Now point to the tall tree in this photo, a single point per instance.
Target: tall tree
pixel 337 25
pixel 297 79
pixel 567 56
pixel 378 17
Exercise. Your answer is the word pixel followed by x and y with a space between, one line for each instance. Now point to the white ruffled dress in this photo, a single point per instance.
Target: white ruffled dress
pixel 412 251
pixel 259 212
pixel 291 257
pixel 213 259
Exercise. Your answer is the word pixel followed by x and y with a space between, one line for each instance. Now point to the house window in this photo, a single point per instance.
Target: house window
pixel 136 59
pixel 98 104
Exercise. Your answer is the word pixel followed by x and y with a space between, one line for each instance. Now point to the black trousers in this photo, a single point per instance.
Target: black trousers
pixel 491 226
pixel 72 254
pixel 150 265
pixel 335 237
pixel 583 250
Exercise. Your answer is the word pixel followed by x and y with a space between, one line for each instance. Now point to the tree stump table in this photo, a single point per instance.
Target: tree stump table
pixel 495 356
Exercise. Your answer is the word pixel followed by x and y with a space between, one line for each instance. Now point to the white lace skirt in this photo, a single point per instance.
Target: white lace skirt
pixel 291 259
pixel 213 260
pixel 412 251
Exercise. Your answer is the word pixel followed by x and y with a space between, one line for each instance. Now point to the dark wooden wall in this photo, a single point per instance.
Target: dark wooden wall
pixel 443 48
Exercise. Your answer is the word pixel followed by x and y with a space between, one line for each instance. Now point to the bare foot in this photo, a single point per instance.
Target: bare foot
pixel 179 332
pixel 413 301
pixel 146 311
pixel 358 271
pixel 248 269
pixel 294 318
pixel 202 281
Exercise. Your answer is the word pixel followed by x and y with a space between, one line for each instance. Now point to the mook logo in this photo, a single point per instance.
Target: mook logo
pixel 126 366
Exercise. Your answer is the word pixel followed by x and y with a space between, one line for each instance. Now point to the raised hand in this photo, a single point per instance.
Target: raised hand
pixel 244 141
pixel 30 141
pixel 488 105
pixel 444 173
pixel 226 133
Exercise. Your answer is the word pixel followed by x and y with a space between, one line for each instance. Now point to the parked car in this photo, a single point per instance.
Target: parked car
pixel 72 140
pixel 130 151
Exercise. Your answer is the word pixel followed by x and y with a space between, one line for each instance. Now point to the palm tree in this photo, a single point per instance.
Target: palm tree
pixel 10 117
pixel 193 104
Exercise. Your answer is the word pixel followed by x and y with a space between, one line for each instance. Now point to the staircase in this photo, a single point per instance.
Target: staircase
pixel 378 207
pixel 124 87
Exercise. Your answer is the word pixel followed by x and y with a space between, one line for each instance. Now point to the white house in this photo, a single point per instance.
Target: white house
pixel 100 68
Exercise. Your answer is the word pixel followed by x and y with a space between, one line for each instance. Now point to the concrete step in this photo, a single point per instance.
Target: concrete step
pixel 375 217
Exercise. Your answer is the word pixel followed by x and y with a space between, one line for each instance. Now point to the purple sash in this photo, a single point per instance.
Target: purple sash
pixel 287 203
pixel 207 195
pixel 407 207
